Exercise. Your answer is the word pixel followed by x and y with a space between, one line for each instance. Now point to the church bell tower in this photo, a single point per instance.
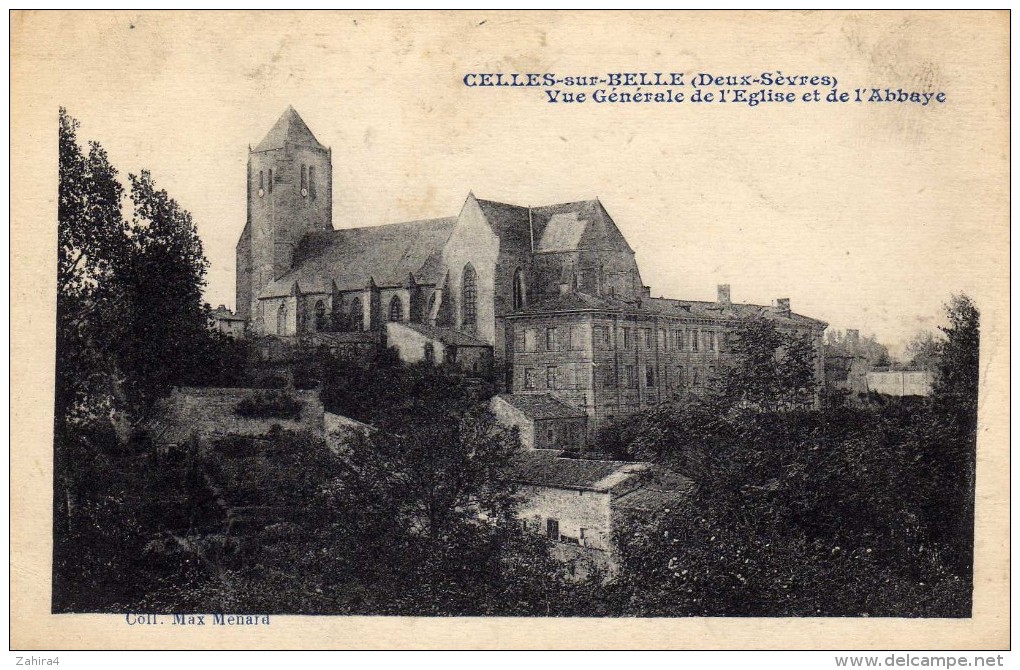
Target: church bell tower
pixel 290 194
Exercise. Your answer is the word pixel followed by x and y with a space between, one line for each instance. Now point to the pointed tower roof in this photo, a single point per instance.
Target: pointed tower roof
pixel 290 127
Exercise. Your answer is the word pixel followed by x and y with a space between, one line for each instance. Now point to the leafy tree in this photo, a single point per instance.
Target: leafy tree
pixel 391 393
pixel 168 322
pixel 130 323
pixel 770 369
pixel 923 351
pixel 795 513
pixel 93 249
pixel 850 343
pixel 955 391
pixel 953 435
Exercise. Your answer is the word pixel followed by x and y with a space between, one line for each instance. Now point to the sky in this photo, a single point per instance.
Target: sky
pixel 865 216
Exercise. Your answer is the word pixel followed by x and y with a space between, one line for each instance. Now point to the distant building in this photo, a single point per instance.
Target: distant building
pixel 577 503
pixel 544 421
pixel 421 342
pixel 225 321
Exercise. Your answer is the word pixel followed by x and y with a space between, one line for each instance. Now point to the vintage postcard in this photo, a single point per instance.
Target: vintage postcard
pixel 506 329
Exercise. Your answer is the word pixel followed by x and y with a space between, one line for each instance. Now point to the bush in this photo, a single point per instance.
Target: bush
pixel 270 405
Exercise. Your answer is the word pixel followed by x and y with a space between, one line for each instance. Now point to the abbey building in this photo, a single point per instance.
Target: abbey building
pixel 553 294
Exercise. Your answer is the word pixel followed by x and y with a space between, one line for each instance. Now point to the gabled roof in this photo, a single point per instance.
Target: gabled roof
pixel 568 226
pixel 444 335
pixel 289 128
pixel 545 468
pixel 576 225
pixel 509 222
pixel 541 406
pixel 350 256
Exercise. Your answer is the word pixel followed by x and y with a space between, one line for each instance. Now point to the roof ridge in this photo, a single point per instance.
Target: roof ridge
pixel 450 219
pixel 503 204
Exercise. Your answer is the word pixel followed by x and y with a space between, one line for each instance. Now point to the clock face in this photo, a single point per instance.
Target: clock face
pixel 304 192
pixel 262 192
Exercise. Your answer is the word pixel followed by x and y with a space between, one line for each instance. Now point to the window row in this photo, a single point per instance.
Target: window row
pixel 552 377
pixel 678 377
pixel 350 318
pixel 307 185
pixel 566 338
pixel 679 340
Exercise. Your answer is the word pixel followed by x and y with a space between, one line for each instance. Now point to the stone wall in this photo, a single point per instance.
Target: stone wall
pixel 473 241
pixel 211 412
pixel 411 344
pixel 573 510
pixel 901 383
pixel 508 415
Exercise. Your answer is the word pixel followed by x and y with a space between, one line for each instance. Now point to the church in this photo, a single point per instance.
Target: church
pixel 552 295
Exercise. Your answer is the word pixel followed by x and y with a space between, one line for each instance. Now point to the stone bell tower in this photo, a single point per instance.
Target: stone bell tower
pixel 290 194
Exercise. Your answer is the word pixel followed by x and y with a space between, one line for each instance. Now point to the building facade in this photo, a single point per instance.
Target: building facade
pixel 614 357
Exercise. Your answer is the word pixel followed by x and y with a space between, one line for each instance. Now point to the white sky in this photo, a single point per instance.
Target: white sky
pixel 867 217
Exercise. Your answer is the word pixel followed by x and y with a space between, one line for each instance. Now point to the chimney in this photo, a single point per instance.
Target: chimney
pixel 783 306
pixel 646 291
pixel 724 294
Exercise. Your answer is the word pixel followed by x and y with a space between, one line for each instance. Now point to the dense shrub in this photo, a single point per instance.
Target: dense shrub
pixel 270 405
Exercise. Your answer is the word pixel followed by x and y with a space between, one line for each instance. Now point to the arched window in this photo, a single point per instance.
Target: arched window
pixel 519 295
pixel 270 181
pixel 320 315
pixel 357 315
pixel 262 184
pixel 432 306
pixel 311 182
pixel 304 180
pixel 396 309
pixel 281 320
pixel 469 296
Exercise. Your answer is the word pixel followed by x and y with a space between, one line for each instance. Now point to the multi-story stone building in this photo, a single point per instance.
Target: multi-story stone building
pixel 552 293
pixel 614 357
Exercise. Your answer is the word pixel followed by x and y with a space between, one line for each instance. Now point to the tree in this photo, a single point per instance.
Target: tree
pixel 797 513
pixel 849 343
pixel 130 323
pixel 770 369
pixel 168 324
pixel 953 437
pixel 923 351
pixel 957 374
pixel 92 252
